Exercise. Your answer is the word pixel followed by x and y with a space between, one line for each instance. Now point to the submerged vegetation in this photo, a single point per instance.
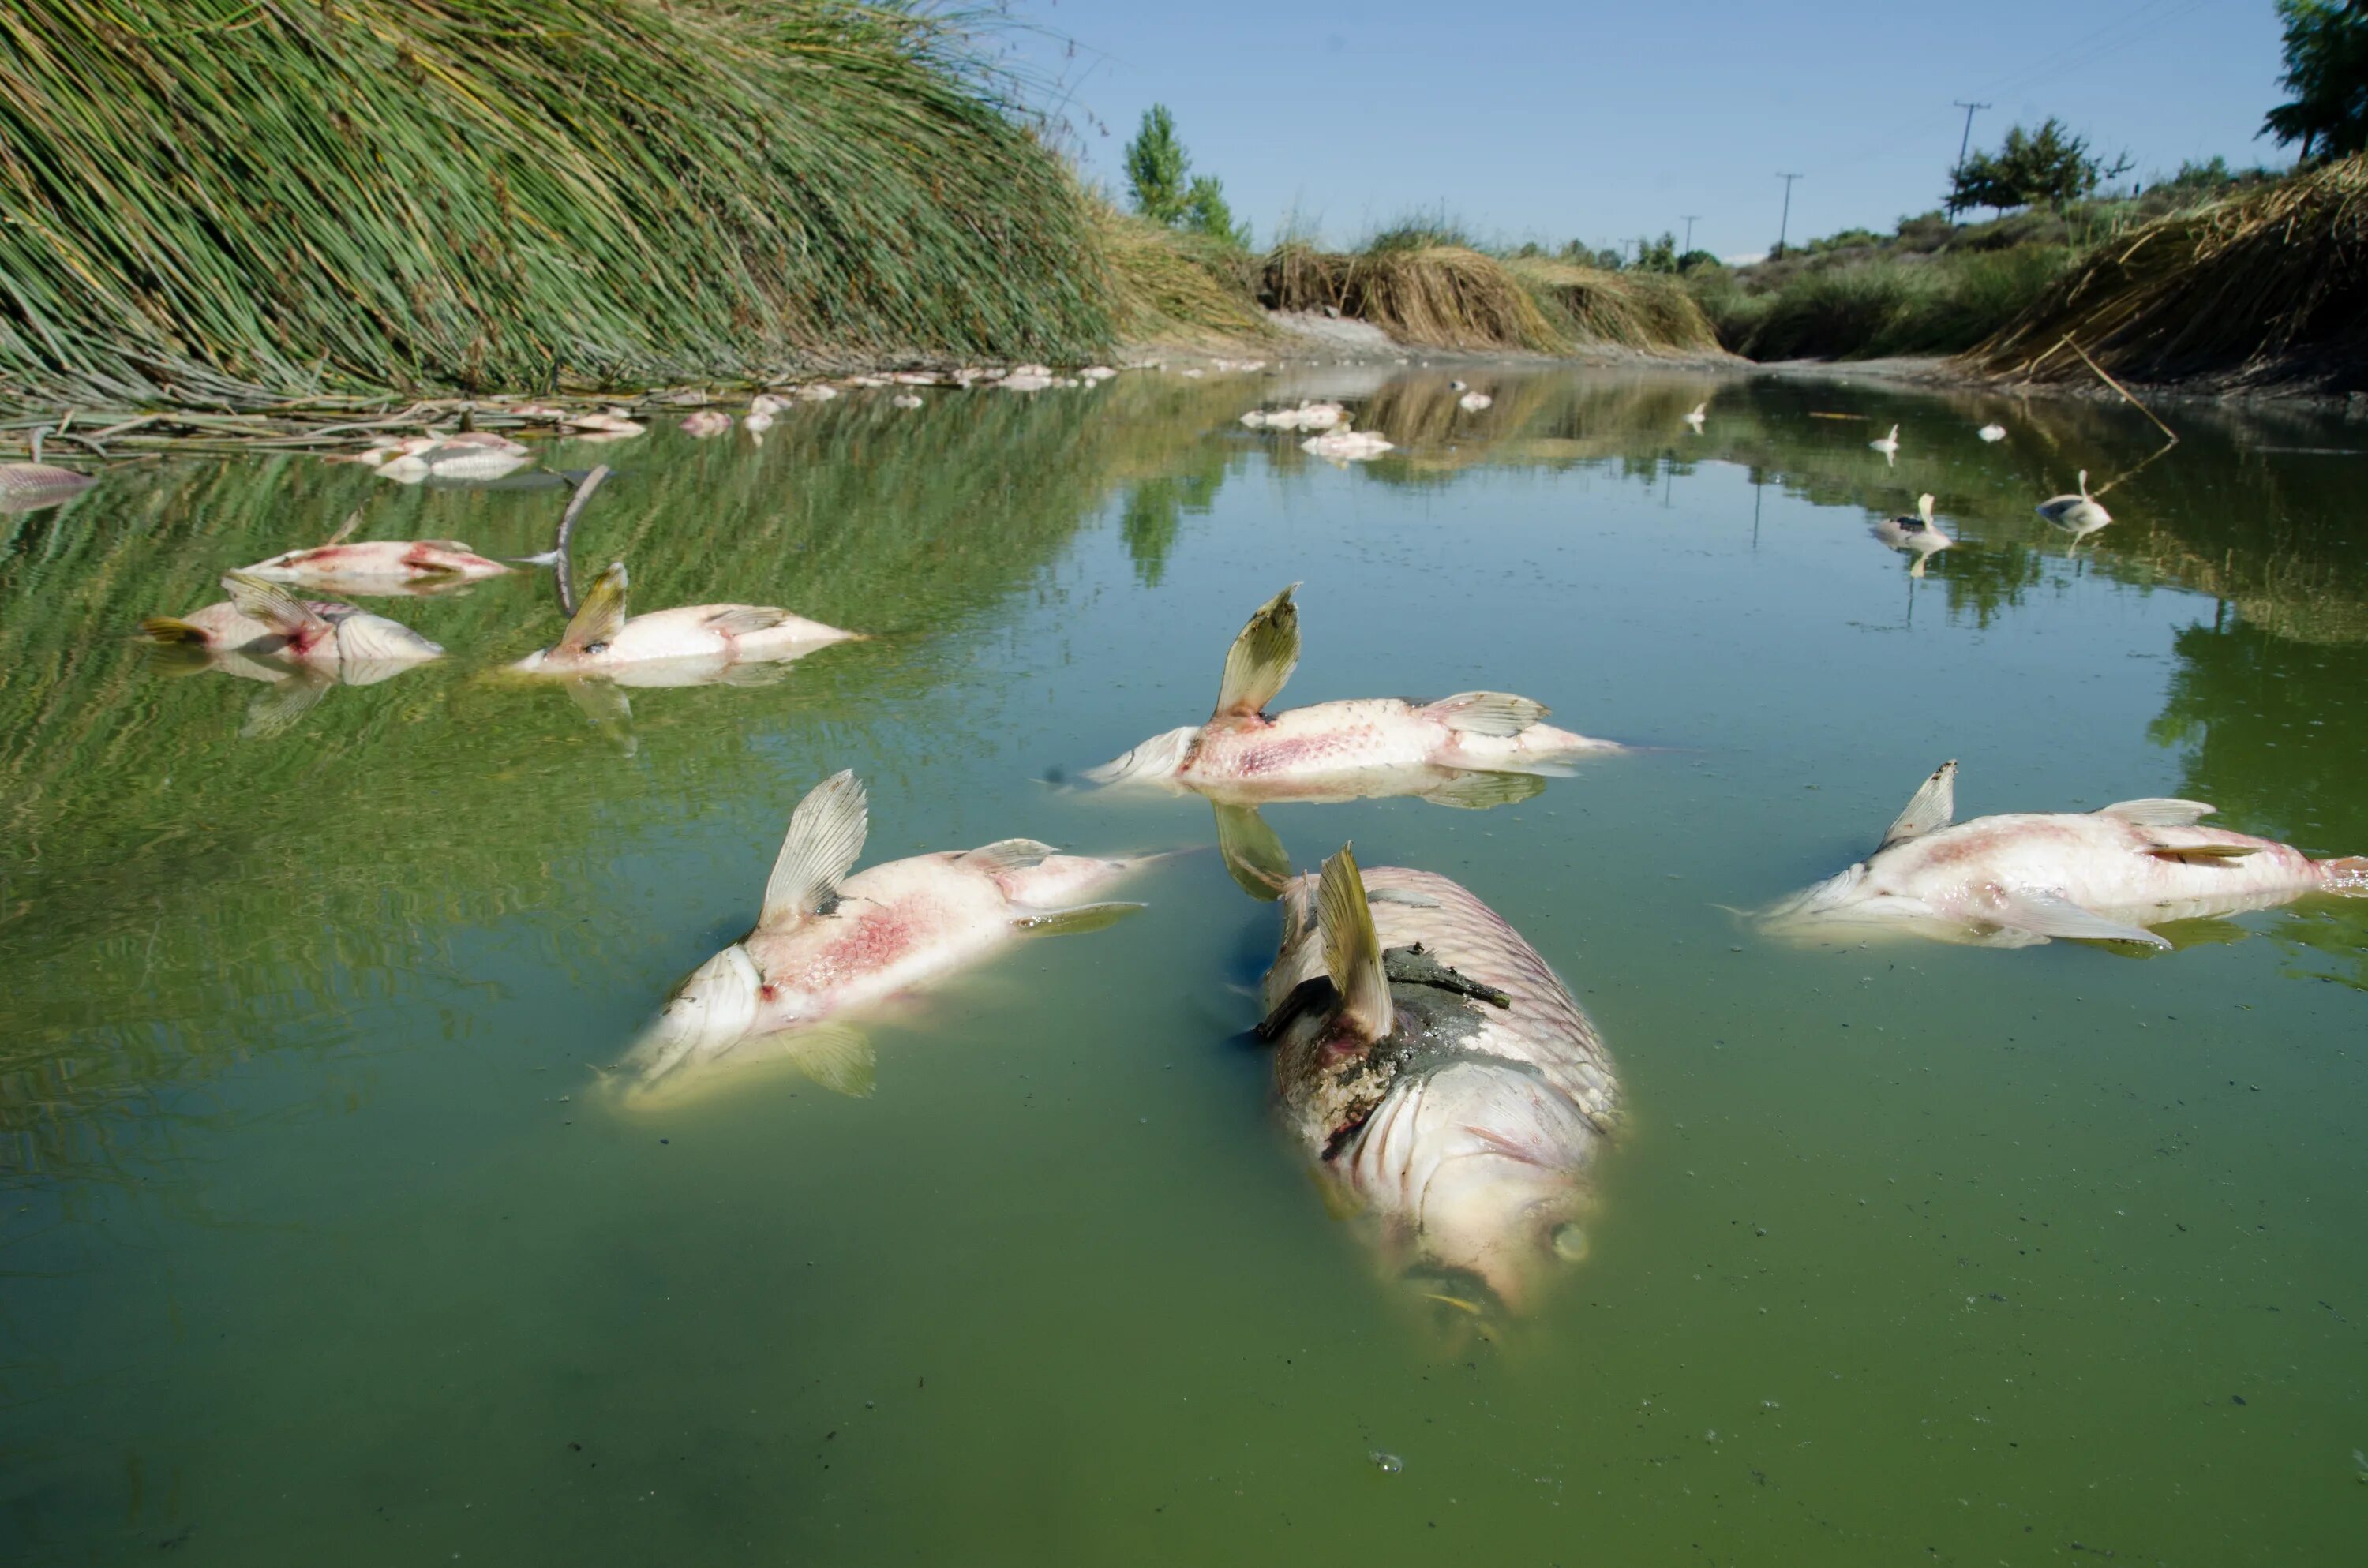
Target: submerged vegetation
pixel 512 193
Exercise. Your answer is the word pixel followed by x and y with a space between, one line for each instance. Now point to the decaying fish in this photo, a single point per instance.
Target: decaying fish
pixel 1339 750
pixel 263 620
pixel 457 457
pixel 2018 880
pixel 1443 1079
pixel 379 565
pixel 828 945
pixel 687 646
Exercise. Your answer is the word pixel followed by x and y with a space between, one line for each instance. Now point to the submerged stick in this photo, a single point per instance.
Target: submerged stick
pixel 563 569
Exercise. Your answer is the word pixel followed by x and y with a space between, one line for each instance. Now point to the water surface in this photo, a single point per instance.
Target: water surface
pixel 323 1241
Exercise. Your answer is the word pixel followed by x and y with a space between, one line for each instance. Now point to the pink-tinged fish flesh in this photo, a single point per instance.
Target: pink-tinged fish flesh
pixel 2021 880
pixel 377 564
pixel 673 647
pixel 263 620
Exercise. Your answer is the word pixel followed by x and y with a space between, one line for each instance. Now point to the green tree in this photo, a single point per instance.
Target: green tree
pixel 2049 164
pixel 1159 173
pixel 2327 71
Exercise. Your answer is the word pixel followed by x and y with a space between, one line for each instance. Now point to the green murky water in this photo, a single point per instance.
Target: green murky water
pixel 320 1244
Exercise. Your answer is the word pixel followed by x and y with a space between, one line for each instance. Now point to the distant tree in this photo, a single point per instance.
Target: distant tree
pixel 2327 71
pixel 1697 260
pixel 1658 255
pixel 1155 165
pixel 1159 173
pixel 2048 165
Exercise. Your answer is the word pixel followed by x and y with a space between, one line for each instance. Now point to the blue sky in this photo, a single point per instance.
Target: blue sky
pixel 1529 119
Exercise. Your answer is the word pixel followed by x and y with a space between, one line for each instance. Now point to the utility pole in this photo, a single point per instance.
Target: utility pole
pixel 1689 218
pixel 1963 144
pixel 1785 226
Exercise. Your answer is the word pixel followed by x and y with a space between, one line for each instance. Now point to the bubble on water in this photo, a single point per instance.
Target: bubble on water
pixel 1387 1463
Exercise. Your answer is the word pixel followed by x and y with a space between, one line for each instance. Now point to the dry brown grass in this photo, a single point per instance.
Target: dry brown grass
pixel 1180 291
pixel 2271 286
pixel 1437 296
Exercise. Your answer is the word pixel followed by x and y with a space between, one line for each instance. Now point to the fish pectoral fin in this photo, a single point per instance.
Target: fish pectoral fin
pixel 739 621
pixel 272 605
pixel 601 614
pixel 1253 853
pixel 839 1057
pixel 1929 810
pixel 171 629
pixel 826 834
pixel 1074 921
pixel 1496 713
pixel 281 706
pixel 2047 914
pixel 603 702
pixel 1352 948
pixel 2202 852
pixel 2158 812
pixel 1006 855
pixel 1261 658
pixel 1479 791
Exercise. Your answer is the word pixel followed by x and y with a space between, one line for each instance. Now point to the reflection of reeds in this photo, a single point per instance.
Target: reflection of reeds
pixel 246 202
pixel 2272 283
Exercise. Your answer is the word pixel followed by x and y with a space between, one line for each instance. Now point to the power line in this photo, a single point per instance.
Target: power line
pixel 1784 225
pixel 1689 218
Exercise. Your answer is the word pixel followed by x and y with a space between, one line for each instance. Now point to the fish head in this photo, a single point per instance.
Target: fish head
pixel 373 639
pixel 720 1004
pixel 1857 897
pixel 1058 882
pixel 1155 760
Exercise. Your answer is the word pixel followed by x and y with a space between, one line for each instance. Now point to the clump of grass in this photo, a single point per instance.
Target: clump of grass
pixel 2270 285
pixel 211 200
pixel 1439 296
pixel 1183 289
pixel 1649 311
pixel 1932 305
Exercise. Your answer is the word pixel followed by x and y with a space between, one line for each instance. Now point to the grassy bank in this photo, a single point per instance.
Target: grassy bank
pixel 207 200
pixel 2270 286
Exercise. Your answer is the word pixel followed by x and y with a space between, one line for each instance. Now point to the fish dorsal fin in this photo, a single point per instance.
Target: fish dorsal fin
pixel 1929 810
pixel 274 606
pixel 345 529
pixel 738 620
pixel 2157 812
pixel 2045 913
pixel 1352 950
pixel 599 614
pixel 1498 713
pixel 1006 855
pixel 1261 658
pixel 1924 509
pixel 825 835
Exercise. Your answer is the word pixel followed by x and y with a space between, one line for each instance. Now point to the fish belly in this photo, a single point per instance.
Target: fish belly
pixel 1328 742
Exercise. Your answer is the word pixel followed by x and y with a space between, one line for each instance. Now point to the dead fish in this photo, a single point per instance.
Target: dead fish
pixel 377 565
pixel 1337 750
pixel 1444 1080
pixel 461 457
pixel 1918 535
pixel 828 945
pixel 673 647
pixel 705 422
pixel 1473 403
pixel 2018 880
pixel 29 486
pixel 1343 446
pixel 613 425
pixel 2080 515
pixel 263 620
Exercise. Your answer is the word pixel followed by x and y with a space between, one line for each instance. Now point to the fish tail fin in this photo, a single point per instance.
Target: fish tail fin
pixel 2346 876
pixel 1352 948
pixel 1261 658
pixel 1159 757
pixel 274 606
pixel 173 630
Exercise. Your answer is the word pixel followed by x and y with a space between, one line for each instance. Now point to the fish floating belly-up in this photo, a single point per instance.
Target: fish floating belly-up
pixel 263 620
pixel 684 646
pixel 1442 1078
pixel 828 945
pixel 2018 880
pixel 1339 750
pixel 382 565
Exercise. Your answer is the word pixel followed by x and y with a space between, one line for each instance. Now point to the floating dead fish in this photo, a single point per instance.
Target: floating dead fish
pixel 903 400
pixel 1344 446
pixel 2079 515
pixel 817 391
pixel 1306 416
pixel 1474 402
pixel 2019 881
pixel 1694 419
pixel 265 620
pixel 1992 432
pixel 289 691
pixel 29 486
pixel 612 426
pixel 1448 1089
pixel 1888 445
pixel 690 646
pixel 1025 381
pixel 1918 535
pixel 707 422
pixel 379 565
pixel 463 457
pixel 1338 750
pixel 827 944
